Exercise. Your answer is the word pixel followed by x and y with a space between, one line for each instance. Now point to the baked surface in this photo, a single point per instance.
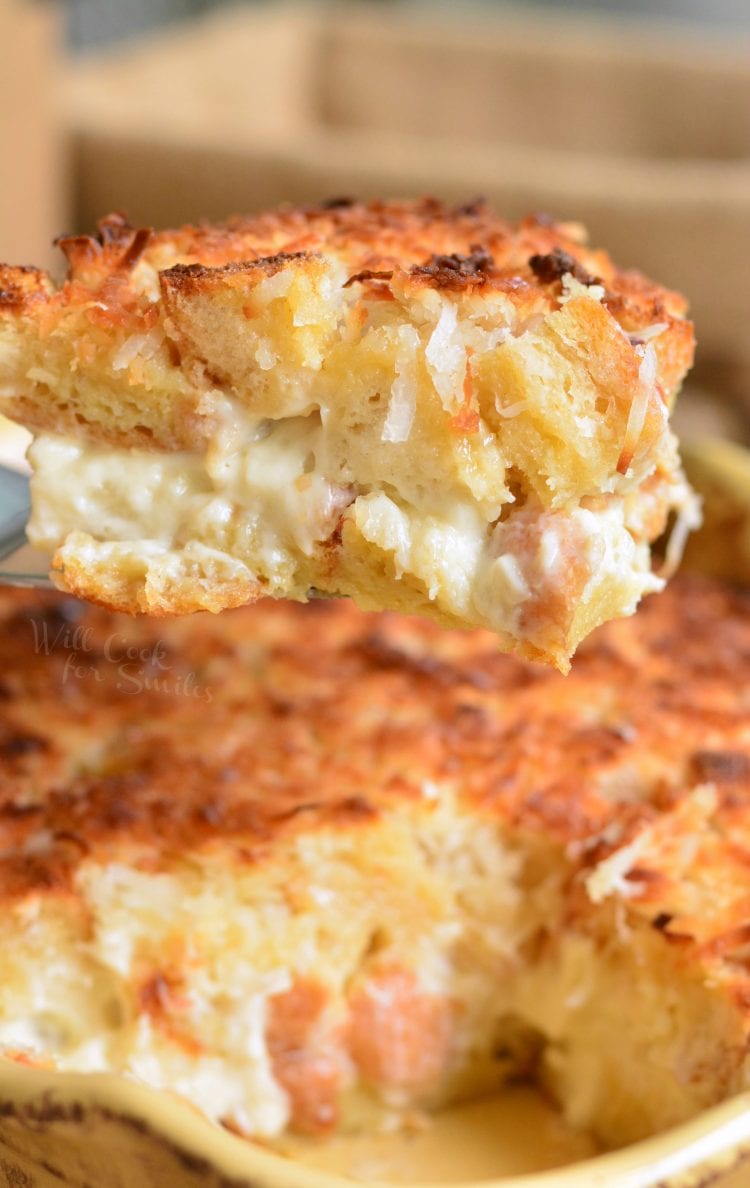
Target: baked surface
pixel 309 867
pixel 420 406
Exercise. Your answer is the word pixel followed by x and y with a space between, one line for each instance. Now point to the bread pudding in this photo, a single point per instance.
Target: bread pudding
pixel 314 869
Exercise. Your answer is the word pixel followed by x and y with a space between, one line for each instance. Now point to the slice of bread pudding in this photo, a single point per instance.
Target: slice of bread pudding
pixel 313 869
pixel 421 407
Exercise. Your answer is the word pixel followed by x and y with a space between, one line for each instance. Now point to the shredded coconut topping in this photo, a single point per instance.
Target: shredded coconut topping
pixel 639 407
pixel 403 403
pixel 142 346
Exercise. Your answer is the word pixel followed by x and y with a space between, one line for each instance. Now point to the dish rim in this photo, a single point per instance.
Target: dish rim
pixel 713 1143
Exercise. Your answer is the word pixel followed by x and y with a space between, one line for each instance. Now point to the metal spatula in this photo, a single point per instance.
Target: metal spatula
pixel 20 564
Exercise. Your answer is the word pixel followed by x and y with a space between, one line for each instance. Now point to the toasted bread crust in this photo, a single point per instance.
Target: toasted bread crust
pixel 127 282
pixel 114 280
pixel 432 244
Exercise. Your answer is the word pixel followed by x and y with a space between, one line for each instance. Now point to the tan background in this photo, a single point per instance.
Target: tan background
pixel 33 180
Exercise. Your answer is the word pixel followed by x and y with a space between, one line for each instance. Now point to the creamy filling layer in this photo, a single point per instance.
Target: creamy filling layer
pixel 259 503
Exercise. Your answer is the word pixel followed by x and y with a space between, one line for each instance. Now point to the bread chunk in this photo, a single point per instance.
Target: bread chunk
pixel 422 407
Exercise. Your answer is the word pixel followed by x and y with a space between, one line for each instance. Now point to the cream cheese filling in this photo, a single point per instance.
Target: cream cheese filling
pixel 259 503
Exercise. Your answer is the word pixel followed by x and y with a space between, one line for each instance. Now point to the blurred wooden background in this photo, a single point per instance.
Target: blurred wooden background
pixel 34 183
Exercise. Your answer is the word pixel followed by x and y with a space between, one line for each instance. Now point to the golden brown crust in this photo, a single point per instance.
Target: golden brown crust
pixel 110 587
pixel 127 285
pixel 21 286
pixel 434 244
pixel 140 743
pixel 421 244
pixel 191 278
